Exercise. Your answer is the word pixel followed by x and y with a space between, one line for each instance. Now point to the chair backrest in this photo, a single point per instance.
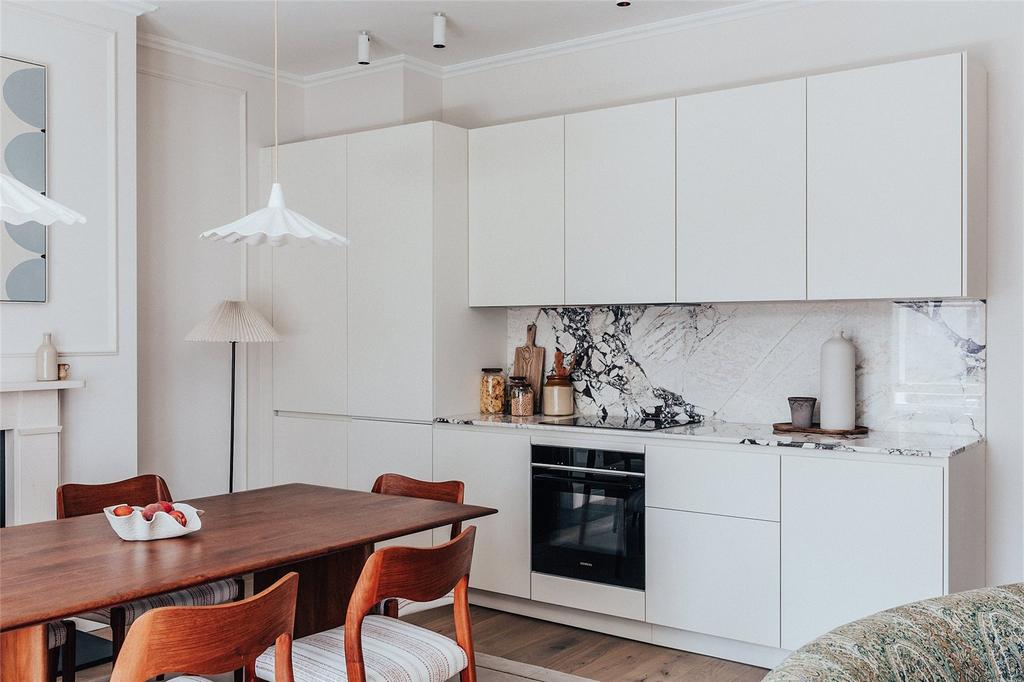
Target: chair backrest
pixel 403 486
pixel 420 574
pixel 79 499
pixel 209 640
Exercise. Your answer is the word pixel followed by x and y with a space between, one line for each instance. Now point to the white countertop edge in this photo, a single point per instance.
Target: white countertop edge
pixel 876 442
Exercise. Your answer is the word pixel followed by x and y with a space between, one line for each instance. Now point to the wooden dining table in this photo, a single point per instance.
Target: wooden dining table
pixel 58 569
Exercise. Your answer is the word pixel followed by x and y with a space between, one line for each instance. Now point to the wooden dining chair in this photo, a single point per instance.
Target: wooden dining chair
pixel 60 645
pixel 385 649
pixel 442 491
pixel 79 499
pixel 210 640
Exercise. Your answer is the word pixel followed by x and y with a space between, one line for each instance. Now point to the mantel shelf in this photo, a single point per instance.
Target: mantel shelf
pixel 17 386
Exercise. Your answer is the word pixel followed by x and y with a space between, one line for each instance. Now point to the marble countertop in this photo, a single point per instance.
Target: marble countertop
pixel 876 442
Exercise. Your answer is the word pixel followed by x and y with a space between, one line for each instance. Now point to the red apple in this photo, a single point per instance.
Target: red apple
pixel 166 506
pixel 150 510
pixel 122 510
pixel 179 517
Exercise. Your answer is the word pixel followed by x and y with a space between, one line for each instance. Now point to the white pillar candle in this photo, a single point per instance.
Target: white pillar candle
pixel 838 384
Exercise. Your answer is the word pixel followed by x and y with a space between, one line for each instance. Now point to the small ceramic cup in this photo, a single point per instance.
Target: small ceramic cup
pixel 63 371
pixel 802 411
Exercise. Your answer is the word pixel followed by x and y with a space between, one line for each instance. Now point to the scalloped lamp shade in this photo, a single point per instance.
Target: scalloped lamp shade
pixel 275 225
pixel 21 204
pixel 234 321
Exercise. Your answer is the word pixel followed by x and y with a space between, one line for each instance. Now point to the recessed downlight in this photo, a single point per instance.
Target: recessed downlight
pixel 623 3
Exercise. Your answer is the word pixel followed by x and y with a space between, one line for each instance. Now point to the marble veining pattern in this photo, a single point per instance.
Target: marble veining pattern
pixel 904 444
pixel 920 364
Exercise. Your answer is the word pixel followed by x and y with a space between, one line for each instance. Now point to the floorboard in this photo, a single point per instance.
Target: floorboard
pixel 580 652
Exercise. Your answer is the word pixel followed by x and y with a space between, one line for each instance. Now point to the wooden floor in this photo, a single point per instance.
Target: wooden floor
pixel 563 648
pixel 584 653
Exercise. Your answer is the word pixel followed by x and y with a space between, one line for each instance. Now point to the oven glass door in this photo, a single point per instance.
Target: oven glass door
pixel 589 526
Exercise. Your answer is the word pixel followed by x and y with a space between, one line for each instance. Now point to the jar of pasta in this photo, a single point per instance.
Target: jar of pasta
pixel 520 397
pixel 492 390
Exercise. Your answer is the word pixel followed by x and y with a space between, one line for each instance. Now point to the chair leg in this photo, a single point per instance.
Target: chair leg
pixel 118 629
pixel 67 672
pixel 240 673
pixel 51 664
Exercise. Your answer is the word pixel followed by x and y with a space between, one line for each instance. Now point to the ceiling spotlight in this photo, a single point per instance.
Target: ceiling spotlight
pixel 364 48
pixel 623 3
pixel 440 23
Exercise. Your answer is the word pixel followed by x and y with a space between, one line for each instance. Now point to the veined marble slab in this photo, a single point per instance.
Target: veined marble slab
pixel 920 364
pixel 877 442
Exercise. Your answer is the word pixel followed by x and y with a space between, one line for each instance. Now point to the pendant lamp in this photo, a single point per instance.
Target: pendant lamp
pixel 276 224
pixel 20 204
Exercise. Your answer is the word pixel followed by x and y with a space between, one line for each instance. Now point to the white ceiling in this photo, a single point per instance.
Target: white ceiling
pixel 319 35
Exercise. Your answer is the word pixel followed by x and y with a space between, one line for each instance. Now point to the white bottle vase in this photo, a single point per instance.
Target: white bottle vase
pixel 46 360
pixel 838 384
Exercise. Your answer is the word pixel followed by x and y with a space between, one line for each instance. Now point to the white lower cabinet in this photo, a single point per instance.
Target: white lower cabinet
pixel 380 447
pixel 715 575
pixel 311 450
pixel 496 471
pixel 857 537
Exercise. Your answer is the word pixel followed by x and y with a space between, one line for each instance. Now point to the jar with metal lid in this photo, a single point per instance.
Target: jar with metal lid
pixel 520 397
pixel 492 390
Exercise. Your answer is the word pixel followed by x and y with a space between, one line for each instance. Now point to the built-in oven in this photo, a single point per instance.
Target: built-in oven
pixel 588 513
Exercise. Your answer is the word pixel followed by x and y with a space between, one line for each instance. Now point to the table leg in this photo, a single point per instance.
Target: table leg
pixel 325 586
pixel 23 654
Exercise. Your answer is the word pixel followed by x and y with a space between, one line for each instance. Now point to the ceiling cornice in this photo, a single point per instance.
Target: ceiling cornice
pixel 641 32
pixel 135 7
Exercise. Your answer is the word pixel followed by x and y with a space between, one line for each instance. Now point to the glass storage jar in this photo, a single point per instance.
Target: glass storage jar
pixel 520 397
pixel 492 390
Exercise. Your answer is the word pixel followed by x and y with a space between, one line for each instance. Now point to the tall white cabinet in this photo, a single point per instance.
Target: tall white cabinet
pixel 895 178
pixel 740 181
pixel 378 336
pixel 620 204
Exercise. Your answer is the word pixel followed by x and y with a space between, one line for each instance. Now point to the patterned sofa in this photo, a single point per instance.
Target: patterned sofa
pixel 975 635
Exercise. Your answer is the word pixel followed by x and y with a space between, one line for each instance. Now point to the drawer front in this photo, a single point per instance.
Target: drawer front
pixel 742 483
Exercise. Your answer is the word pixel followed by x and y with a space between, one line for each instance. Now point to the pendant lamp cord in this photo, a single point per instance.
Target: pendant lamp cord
pixel 275 91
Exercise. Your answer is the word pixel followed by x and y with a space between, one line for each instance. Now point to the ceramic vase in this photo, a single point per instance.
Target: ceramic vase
pixel 838 384
pixel 46 360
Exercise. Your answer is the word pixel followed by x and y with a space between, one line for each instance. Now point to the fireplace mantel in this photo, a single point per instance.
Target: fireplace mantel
pixel 31 425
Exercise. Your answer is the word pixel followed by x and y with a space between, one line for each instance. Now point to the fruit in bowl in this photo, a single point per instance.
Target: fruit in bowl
pixel 179 517
pixel 123 510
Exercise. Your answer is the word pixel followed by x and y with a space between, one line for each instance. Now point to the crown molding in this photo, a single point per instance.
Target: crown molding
pixel 643 31
pixel 134 7
pixel 201 54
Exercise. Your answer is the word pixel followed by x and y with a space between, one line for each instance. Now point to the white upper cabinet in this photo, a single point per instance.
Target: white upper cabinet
pixel 390 285
pixel 885 180
pixel 620 205
pixel 740 194
pixel 309 284
pixel 516 214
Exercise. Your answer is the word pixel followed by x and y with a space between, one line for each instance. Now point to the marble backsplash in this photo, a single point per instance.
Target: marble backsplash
pixel 920 365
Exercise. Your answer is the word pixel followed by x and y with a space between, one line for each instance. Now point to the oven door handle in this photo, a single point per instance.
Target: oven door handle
pixel 589 470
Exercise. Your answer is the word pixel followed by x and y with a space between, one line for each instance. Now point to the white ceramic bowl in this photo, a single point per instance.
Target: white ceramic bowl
pixel 134 527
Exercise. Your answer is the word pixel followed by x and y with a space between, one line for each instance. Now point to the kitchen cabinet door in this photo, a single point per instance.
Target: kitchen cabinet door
pixel 740 194
pixel 381 447
pixel 714 575
pixel 884 191
pixel 516 214
pixel 311 450
pixel 620 205
pixel 496 470
pixel 857 537
pixel 390 273
pixel 310 284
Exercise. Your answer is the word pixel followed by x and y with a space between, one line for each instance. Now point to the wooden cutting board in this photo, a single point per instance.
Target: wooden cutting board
pixel 529 363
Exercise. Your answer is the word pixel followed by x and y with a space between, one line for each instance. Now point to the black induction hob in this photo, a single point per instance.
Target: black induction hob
pixel 618 421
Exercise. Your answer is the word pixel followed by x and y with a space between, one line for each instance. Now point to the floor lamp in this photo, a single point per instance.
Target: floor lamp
pixel 233 322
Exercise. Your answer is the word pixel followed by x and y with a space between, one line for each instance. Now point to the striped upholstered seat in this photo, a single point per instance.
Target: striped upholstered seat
pixel 210 594
pixel 393 651
pixel 407 607
pixel 56 634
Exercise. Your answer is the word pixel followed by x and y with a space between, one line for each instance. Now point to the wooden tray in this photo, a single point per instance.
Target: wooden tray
pixel 787 427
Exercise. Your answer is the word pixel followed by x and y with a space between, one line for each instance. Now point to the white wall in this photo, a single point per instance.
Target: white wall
pixel 813 38
pixel 90 55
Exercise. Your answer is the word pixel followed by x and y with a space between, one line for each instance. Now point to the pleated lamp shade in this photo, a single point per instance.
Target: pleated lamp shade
pixel 234 321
